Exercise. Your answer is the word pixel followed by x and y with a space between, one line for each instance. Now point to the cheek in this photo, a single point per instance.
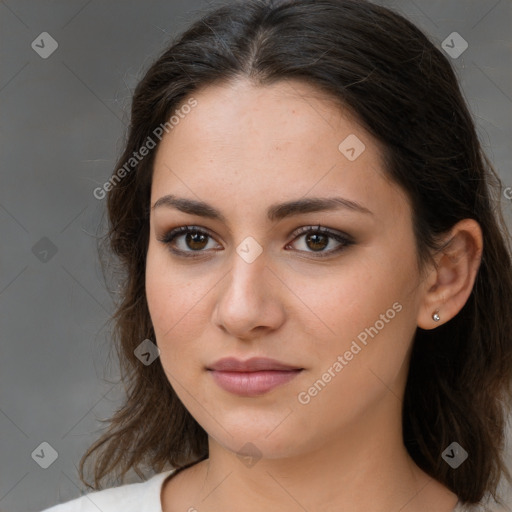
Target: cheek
pixel 159 290
pixel 347 300
pixel 373 348
pixel 365 311
pixel 177 302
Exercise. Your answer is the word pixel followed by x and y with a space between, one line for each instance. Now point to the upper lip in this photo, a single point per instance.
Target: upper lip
pixel 254 364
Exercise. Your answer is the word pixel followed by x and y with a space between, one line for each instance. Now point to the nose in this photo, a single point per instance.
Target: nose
pixel 249 303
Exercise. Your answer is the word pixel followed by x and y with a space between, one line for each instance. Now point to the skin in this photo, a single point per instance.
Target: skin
pixel 244 148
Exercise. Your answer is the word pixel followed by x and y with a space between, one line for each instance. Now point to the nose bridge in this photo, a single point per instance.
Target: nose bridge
pixel 248 298
pixel 248 269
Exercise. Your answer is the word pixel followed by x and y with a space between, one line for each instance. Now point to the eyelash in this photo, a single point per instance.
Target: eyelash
pixel 345 240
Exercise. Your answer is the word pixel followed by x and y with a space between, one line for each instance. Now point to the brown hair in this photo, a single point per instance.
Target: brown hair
pixel 404 91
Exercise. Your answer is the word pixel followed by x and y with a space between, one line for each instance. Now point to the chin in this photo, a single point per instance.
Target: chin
pixel 265 438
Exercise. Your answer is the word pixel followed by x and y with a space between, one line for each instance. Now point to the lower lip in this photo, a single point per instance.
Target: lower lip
pixel 252 383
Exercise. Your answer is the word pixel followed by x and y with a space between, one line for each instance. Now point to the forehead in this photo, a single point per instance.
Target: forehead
pixel 268 143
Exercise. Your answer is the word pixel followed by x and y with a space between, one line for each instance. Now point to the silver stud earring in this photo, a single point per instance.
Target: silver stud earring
pixel 436 316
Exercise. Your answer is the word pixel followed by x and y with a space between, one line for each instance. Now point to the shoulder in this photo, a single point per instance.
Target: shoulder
pixel 138 497
pixel 472 508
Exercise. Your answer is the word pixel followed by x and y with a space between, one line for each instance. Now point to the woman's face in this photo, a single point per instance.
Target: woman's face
pixel 338 308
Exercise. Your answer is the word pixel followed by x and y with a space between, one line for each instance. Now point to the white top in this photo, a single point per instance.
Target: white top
pixel 138 497
pixel 145 497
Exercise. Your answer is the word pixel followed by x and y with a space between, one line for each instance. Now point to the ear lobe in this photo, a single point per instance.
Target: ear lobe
pixel 451 281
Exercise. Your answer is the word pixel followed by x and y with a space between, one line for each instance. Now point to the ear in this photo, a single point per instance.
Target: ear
pixel 450 282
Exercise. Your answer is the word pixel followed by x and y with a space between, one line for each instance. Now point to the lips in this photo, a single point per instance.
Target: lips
pixel 253 377
pixel 255 364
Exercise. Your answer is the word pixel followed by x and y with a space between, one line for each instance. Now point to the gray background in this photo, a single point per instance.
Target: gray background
pixel 62 125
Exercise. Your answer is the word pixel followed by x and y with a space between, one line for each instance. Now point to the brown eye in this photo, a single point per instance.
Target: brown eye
pixel 196 241
pixel 192 240
pixel 317 242
pixel 317 239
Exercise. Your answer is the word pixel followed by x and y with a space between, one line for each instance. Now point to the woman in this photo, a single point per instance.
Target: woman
pixel 306 222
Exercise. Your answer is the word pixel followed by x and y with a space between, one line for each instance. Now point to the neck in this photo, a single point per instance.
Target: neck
pixel 364 468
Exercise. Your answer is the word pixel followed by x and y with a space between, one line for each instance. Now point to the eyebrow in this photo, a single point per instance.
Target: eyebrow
pixel 275 212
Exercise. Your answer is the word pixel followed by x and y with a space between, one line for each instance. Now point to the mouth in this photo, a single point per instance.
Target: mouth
pixel 253 377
